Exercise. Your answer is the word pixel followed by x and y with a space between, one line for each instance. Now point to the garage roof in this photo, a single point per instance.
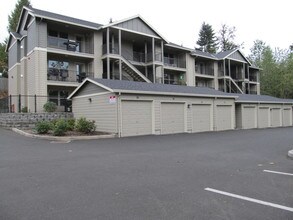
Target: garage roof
pixel 245 98
pixel 124 86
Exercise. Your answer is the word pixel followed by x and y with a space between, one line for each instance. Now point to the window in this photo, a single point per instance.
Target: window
pixel 53 33
pixel 58 97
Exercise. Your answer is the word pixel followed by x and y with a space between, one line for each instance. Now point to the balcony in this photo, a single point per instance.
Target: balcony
pixel 204 70
pixel 253 78
pixel 63 75
pixel 174 62
pixel 70 45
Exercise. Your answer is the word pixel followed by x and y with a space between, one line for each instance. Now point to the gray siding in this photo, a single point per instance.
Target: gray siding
pixel 89 88
pixel 138 25
pixel 237 56
pixel 14 55
pixel 42 34
pixel 99 110
pixel 32 37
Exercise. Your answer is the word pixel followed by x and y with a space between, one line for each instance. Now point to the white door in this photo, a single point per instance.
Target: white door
pixel 287 117
pixel 224 117
pixel 172 116
pixel 276 117
pixel 136 118
pixel 201 118
pixel 263 117
pixel 249 117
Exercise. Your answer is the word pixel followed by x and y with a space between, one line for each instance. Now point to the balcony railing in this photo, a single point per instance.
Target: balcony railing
pixel 205 70
pixel 67 75
pixel 253 78
pixel 174 62
pixel 69 45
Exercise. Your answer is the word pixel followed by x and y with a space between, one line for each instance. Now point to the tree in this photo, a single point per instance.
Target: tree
pixel 226 38
pixel 14 15
pixel 12 25
pixel 207 39
pixel 256 52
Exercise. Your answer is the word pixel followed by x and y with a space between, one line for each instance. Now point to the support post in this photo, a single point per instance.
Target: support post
pixel 19 103
pixel 224 66
pixel 10 103
pixel 108 52
pixel 120 53
pixel 229 68
pixel 153 53
pixel 35 103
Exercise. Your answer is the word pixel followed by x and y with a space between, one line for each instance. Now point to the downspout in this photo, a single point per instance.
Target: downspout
pixel 118 118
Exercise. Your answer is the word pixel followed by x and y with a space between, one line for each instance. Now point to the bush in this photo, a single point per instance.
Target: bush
pixel 60 128
pixel 70 124
pixel 43 127
pixel 85 126
pixel 50 107
pixel 24 110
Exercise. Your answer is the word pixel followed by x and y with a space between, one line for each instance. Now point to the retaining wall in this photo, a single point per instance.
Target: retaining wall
pixel 28 120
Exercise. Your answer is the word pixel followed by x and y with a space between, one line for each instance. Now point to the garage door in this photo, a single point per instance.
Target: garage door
pixel 172 118
pixel 276 117
pixel 136 118
pixel 224 117
pixel 249 117
pixel 201 118
pixel 287 117
pixel 263 117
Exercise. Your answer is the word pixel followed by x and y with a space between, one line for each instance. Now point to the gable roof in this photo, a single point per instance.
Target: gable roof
pixel 170 44
pixel 133 17
pixel 62 18
pixel 153 88
pixel 224 54
pixel 246 98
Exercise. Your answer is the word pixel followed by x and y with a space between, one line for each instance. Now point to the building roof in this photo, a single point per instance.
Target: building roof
pixel 153 88
pixel 224 54
pixel 200 53
pixel 63 18
pixel 245 98
pixel 170 44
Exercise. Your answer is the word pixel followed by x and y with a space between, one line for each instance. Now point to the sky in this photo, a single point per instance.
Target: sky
pixel 180 21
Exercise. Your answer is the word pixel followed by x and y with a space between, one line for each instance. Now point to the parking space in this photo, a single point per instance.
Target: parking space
pixel 242 174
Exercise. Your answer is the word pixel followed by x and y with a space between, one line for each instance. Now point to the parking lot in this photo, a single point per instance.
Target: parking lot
pixel 242 174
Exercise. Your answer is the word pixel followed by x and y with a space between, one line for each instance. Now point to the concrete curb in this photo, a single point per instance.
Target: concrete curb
pixel 71 138
pixel 290 154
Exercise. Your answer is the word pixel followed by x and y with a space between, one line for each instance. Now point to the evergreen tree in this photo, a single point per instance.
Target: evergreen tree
pixel 12 25
pixel 14 15
pixel 207 39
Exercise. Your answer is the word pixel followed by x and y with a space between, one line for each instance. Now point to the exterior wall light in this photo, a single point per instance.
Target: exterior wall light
pixel 90 100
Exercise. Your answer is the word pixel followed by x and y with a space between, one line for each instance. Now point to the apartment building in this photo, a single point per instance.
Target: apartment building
pixel 51 54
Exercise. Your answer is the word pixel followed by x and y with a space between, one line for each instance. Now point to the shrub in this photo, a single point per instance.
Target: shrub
pixel 24 110
pixel 50 107
pixel 60 128
pixel 43 127
pixel 70 124
pixel 85 126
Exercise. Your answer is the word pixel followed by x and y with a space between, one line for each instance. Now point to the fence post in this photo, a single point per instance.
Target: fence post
pixel 10 103
pixel 19 103
pixel 35 103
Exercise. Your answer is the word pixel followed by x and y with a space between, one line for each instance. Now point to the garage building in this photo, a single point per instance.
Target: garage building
pixel 261 111
pixel 130 108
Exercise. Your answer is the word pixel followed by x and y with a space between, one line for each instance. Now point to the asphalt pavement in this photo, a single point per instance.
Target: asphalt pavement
pixel 149 177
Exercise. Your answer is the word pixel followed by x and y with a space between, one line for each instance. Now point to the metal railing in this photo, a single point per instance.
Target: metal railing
pixel 70 45
pixel 174 62
pixel 32 103
pixel 64 75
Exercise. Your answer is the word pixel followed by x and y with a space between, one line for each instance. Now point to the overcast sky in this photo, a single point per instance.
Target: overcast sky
pixel 180 21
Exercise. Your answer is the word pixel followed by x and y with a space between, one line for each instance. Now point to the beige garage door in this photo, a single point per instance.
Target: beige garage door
pixel 276 117
pixel 172 116
pixel 201 118
pixel 287 117
pixel 224 117
pixel 263 117
pixel 136 118
pixel 249 117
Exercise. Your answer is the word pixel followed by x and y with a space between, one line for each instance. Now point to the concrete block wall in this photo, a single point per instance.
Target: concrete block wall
pixel 29 120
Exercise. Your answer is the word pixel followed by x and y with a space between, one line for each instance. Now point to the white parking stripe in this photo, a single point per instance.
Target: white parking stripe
pixel 282 173
pixel 251 199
